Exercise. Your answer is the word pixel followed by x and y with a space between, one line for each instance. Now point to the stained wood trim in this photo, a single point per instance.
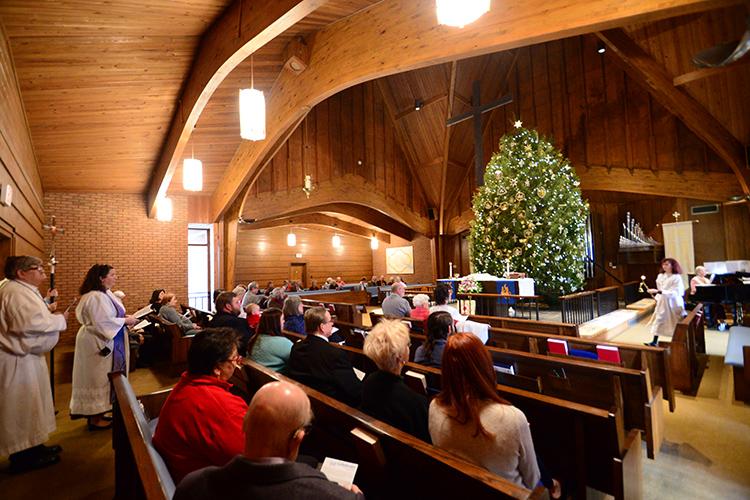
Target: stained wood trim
pixel 699 74
pixel 319 220
pixel 446 146
pixel 399 35
pixel 221 50
pixel 644 69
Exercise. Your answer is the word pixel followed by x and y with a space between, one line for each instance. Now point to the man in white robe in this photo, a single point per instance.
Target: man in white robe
pixel 28 330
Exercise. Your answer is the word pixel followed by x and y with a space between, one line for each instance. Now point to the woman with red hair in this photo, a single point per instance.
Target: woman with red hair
pixel 670 305
pixel 469 419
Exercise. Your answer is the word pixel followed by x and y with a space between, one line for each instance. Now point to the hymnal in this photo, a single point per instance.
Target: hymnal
pixel 556 346
pixel 608 353
pixel 509 369
pixel 143 311
pixel 143 324
pixel 417 376
pixel 339 471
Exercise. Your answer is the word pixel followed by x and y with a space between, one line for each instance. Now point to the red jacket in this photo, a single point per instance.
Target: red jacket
pixel 199 425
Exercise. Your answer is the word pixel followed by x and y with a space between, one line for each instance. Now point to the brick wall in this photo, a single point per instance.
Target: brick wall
pixel 114 229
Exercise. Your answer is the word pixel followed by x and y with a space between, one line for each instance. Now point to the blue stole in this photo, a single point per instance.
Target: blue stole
pixel 118 351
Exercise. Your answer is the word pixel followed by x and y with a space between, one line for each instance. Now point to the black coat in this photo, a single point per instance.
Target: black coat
pixel 226 320
pixel 386 397
pixel 317 364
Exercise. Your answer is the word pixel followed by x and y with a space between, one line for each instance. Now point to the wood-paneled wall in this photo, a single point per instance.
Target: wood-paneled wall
pixel 593 112
pixel 349 133
pixel 263 255
pixel 23 220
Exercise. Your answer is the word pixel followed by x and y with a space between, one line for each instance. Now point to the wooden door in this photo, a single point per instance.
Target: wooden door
pixel 6 249
pixel 298 272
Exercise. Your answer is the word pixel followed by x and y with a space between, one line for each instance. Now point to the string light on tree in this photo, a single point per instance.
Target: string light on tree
pixel 530 214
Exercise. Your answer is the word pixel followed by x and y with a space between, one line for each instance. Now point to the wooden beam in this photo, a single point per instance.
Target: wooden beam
pixel 319 220
pixel 348 191
pixel 446 146
pixel 644 69
pixel 699 74
pixel 245 26
pixel 406 112
pixel 399 35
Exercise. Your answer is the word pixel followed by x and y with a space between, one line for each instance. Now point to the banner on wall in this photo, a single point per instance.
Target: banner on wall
pixel 678 244
pixel 399 260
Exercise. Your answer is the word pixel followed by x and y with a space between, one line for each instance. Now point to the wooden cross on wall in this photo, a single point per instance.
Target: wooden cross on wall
pixel 477 109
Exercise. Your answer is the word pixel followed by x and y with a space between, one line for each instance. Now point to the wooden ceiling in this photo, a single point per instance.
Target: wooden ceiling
pixel 100 88
pixel 100 85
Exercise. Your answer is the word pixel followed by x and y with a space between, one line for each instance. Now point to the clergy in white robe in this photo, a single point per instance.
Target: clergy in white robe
pixel 670 304
pixel 101 344
pixel 27 332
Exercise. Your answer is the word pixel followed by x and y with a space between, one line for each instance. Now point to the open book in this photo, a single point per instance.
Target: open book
pixel 143 311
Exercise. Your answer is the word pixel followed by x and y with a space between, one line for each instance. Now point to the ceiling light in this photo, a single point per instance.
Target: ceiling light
pixel 374 243
pixel 418 104
pixel 252 111
pixel 192 175
pixel 291 239
pixel 601 48
pixel 459 13
pixel 164 209
pixel 336 241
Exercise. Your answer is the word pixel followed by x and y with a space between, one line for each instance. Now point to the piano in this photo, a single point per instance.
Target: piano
pixel 727 289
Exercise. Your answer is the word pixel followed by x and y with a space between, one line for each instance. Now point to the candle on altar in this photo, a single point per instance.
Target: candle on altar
pixel 507 268
pixel 450 269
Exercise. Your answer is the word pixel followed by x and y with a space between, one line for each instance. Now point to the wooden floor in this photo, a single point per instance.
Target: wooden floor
pixel 706 453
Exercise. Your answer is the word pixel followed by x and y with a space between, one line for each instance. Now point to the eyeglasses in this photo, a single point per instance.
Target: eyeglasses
pixel 236 359
pixel 35 268
pixel 306 428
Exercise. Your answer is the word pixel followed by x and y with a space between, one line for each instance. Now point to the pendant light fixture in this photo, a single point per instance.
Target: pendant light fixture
pixel 374 242
pixel 336 241
pixel 459 13
pixel 192 173
pixel 164 209
pixel 291 239
pixel 252 111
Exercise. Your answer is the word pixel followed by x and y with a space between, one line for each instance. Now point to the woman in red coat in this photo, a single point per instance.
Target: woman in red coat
pixel 200 423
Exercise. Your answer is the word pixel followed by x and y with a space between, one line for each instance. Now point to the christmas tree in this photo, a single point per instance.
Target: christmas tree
pixel 530 213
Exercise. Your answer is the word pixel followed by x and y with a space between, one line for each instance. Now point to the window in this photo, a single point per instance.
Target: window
pixel 200 266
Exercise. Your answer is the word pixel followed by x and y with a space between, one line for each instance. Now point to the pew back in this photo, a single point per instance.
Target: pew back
pixel 688 348
pixel 551 327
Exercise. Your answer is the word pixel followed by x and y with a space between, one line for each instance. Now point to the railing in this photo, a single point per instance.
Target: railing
pixel 606 300
pixel 200 300
pixel 578 307
pixel 630 292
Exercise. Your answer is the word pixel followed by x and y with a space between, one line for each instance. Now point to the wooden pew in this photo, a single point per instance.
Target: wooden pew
pixel 656 359
pixel 348 306
pixel 140 472
pixel 551 327
pixel 392 463
pixel 688 346
pixel 179 345
pixel 606 456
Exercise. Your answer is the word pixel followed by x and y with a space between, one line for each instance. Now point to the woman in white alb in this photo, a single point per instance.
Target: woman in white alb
pixel 670 305
pixel 101 346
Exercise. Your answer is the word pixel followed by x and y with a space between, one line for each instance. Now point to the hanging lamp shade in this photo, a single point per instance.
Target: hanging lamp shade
pixel 459 13
pixel 374 243
pixel 164 209
pixel 291 239
pixel 336 241
pixel 192 175
pixel 252 115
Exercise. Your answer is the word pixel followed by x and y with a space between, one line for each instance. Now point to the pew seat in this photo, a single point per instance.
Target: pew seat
pixel 738 357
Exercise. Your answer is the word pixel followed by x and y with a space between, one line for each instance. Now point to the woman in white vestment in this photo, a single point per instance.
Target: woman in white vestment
pixel 670 304
pixel 101 346
pixel 27 332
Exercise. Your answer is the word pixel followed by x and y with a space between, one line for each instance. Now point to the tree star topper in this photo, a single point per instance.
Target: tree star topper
pixel 518 124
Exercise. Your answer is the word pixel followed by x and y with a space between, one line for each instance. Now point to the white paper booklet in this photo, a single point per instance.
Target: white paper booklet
pixel 339 471
pixel 143 311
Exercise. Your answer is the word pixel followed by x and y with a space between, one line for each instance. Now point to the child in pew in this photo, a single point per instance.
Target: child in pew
pixel 470 419
pixel 253 316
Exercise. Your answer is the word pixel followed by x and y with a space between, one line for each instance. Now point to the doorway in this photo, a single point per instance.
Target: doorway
pixel 6 249
pixel 298 272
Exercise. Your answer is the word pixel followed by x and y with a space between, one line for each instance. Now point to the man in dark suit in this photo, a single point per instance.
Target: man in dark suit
pixel 317 364
pixel 227 315
pixel 277 420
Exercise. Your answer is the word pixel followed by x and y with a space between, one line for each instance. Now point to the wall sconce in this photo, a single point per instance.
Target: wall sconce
pixel 164 209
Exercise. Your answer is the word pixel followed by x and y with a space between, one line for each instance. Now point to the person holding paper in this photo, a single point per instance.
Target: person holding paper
pixel 385 396
pixel 28 330
pixel 168 311
pixel 277 420
pixel 670 305
pixel 101 346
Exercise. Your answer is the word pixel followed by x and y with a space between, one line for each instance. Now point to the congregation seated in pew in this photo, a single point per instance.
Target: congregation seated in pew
pixel 227 315
pixel 277 420
pixel 470 419
pixel 268 346
pixel 395 305
pixel 421 304
pixel 294 320
pixel 385 396
pixel 168 312
pixel 439 326
pixel 200 423
pixel 252 317
pixel 321 366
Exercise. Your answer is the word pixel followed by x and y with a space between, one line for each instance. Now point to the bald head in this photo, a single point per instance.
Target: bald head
pixel 274 421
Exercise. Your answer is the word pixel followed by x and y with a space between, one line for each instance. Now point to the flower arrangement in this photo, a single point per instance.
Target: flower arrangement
pixel 469 285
